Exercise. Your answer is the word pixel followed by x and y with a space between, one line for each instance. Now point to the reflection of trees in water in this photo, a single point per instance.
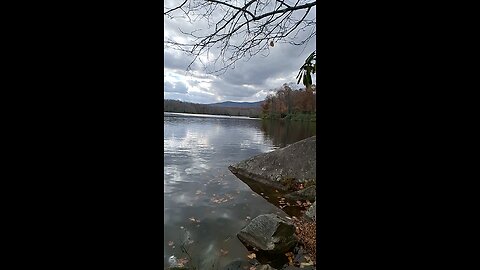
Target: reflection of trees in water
pixel 285 132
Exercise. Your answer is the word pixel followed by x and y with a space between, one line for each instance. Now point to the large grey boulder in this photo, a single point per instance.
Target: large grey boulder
pixel 282 167
pixel 270 233
pixel 311 211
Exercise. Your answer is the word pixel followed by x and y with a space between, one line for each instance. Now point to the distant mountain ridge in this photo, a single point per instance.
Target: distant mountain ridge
pixel 233 104
pixel 249 109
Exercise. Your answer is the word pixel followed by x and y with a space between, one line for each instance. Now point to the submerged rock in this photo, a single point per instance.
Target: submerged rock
pixel 237 264
pixel 265 267
pixel 269 233
pixel 290 267
pixel 282 168
pixel 308 193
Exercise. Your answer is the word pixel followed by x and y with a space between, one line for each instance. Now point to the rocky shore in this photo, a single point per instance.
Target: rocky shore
pixel 291 173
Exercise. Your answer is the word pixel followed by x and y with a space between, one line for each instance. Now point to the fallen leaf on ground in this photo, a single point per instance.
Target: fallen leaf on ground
pixel 305 264
pixel 290 257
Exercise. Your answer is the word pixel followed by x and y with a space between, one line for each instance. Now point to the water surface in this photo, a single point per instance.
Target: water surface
pixel 205 204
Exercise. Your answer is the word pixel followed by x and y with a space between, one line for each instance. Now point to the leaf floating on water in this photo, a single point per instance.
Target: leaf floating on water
pixel 252 256
pixel 194 220
pixel 219 200
pixel 182 262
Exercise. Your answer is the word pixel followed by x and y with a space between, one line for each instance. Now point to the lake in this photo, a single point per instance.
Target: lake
pixel 205 204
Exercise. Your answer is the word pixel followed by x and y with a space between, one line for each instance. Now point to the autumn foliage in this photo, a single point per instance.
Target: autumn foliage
pixel 288 102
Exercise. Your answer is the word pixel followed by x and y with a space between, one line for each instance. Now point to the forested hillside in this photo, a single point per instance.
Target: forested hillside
pixel 187 107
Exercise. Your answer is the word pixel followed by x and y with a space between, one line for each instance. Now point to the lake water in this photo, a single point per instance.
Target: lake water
pixel 205 204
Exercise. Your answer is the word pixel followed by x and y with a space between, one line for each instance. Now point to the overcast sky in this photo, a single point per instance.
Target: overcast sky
pixel 250 81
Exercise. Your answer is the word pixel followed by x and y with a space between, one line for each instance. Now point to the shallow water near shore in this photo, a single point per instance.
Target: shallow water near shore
pixel 205 204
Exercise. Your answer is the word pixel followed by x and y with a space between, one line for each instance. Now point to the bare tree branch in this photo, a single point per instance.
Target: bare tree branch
pixel 241 28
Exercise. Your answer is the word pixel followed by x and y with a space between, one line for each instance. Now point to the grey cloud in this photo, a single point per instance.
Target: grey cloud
pixel 178 87
pixel 263 73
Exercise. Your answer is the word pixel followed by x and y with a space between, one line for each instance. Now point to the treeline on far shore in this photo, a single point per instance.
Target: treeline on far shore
pixel 187 107
pixel 296 105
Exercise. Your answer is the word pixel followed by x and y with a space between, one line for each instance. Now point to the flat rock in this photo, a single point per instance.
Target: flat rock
pixel 270 233
pixel 282 167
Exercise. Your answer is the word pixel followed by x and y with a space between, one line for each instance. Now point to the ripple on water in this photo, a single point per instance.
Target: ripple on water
pixel 202 198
